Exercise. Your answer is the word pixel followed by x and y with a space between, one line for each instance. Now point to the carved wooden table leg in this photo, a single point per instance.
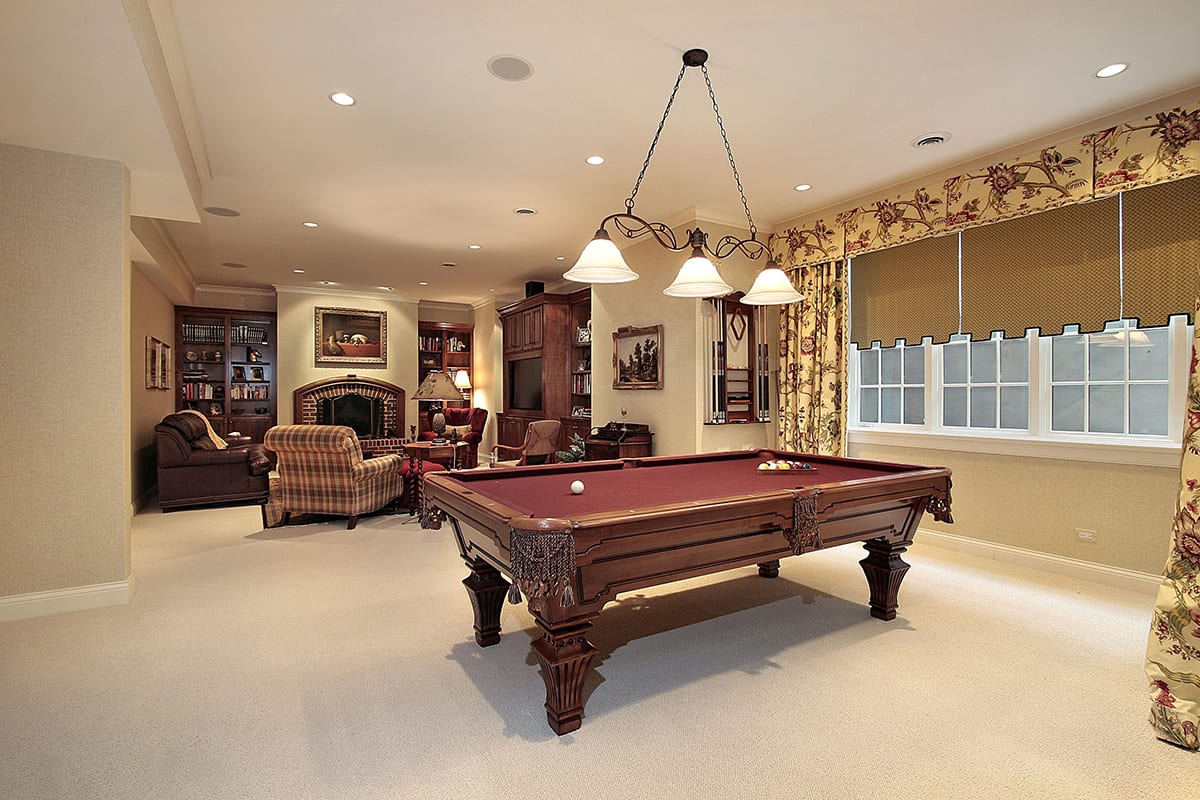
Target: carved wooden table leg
pixel 769 569
pixel 487 589
pixel 565 655
pixel 885 570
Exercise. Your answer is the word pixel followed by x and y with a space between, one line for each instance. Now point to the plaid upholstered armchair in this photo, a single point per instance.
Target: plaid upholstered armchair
pixel 322 471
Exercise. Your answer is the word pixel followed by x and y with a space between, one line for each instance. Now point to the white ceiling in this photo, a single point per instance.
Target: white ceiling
pixel 437 153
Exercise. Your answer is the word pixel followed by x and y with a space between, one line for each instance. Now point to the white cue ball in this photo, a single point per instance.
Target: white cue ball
pixel 576 487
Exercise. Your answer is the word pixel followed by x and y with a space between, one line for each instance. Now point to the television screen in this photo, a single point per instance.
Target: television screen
pixel 525 384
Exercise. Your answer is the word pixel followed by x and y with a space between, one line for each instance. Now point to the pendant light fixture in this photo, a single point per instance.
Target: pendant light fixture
pixel 601 260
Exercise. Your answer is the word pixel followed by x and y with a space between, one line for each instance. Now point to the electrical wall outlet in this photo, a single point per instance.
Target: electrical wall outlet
pixel 1084 535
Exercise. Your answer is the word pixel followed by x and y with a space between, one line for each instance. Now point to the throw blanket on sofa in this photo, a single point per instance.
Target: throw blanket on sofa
pixel 217 441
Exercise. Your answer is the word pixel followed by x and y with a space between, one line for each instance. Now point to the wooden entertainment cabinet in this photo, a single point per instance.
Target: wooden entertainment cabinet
pixel 546 327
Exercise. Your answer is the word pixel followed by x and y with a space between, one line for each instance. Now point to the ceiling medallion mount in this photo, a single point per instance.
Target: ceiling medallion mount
pixel 601 260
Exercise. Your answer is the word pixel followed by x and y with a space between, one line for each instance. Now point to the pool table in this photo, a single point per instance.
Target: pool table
pixel 646 521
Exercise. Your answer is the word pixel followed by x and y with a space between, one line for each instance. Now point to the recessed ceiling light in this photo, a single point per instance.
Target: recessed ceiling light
pixel 560 258
pixel 327 283
pixel 220 211
pixel 595 161
pixel 422 283
pixel 524 211
pixel 298 271
pixel 233 265
pixel 474 246
pixel 802 187
pixel 449 264
pixel 491 290
pixel 1111 69
pixel 931 139
pixel 310 224
pixel 342 99
pixel 510 68
pixel 387 288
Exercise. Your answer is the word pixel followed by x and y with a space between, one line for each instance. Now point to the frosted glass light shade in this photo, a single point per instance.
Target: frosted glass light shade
pixel 770 288
pixel 600 262
pixel 698 278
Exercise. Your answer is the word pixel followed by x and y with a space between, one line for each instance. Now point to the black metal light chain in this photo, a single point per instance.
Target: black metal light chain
pixel 666 111
pixel 721 124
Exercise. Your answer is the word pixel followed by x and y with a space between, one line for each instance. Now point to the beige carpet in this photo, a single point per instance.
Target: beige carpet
pixel 312 662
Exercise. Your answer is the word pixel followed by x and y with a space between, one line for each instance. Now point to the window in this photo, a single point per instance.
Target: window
pixel 985 384
pixel 1111 382
pixel 892 384
pixel 1109 386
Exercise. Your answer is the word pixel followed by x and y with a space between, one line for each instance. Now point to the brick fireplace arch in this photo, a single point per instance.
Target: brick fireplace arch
pixel 313 402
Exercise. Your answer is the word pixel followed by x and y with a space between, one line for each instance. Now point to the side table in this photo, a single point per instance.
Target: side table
pixel 444 453
pixel 418 452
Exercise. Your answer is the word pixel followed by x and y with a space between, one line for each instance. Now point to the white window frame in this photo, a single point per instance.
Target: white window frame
pixel 1039 441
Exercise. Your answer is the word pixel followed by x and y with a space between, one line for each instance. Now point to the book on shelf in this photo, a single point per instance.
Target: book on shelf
pixel 203 333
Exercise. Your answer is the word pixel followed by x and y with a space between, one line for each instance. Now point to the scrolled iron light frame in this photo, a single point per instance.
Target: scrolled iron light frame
pixel 631 226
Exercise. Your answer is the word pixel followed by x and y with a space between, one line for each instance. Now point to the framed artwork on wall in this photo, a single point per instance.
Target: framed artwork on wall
pixel 636 358
pixel 159 369
pixel 350 336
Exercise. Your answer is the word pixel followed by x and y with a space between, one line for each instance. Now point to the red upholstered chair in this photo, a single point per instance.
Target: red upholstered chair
pixel 468 424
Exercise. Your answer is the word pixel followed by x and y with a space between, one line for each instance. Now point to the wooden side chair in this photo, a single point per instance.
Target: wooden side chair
pixel 539 447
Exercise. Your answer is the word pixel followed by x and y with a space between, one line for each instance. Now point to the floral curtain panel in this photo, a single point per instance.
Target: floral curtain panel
pixel 812 356
pixel 1173 651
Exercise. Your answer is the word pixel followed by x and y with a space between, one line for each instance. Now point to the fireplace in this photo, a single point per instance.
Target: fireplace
pixel 363 414
pixel 373 408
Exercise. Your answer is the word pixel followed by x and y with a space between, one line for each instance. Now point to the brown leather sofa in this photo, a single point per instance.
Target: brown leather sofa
pixel 476 418
pixel 193 472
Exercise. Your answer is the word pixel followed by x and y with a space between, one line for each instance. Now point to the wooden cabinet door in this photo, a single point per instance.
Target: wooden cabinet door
pixel 513 333
pixel 533 328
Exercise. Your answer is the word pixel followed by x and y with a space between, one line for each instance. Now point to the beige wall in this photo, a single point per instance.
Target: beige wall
pixel 675 412
pixel 297 359
pixel 488 370
pixel 65 407
pixel 1037 503
pixel 150 314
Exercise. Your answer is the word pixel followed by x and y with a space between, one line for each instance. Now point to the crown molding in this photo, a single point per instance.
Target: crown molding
pixel 253 291
pixel 441 305
pixel 389 297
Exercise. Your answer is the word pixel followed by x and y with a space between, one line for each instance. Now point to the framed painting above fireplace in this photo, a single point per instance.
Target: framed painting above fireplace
pixel 350 336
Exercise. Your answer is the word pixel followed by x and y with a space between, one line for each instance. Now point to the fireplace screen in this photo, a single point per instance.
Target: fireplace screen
pixel 363 414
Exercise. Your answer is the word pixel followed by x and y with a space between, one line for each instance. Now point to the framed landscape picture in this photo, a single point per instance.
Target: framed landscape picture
pixel 350 336
pixel 636 358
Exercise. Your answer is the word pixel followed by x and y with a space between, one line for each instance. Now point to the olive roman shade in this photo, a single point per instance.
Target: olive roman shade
pixel 1045 270
pixel 905 292
pixel 1162 250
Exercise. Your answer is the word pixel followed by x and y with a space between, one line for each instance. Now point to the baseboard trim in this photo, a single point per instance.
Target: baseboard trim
pixel 60 601
pixel 1132 580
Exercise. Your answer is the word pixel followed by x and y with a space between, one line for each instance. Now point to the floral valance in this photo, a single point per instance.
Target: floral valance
pixel 1162 147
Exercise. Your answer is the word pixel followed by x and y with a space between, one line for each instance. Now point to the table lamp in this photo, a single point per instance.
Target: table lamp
pixel 437 388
